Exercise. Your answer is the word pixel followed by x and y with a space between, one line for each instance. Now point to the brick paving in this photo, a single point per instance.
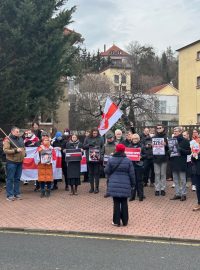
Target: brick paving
pixel 154 217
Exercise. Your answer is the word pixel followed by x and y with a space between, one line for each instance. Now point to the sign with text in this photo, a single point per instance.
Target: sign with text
pixel 158 145
pixel 133 153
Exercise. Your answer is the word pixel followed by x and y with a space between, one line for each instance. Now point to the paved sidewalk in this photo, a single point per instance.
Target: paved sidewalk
pixel 154 217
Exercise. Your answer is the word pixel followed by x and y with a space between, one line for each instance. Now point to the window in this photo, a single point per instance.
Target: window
pixel 123 88
pixel 46 118
pixel 198 82
pixel 116 78
pixel 198 55
pixel 116 88
pixel 198 118
pixel 160 106
pixel 123 79
pixel 163 106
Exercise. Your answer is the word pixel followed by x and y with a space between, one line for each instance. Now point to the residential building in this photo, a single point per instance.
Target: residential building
pixel 119 71
pixel 166 100
pixel 120 78
pixel 189 84
pixel 117 56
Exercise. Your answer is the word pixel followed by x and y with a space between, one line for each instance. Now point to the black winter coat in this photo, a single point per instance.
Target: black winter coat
pixel 179 163
pixel 144 138
pixel 127 143
pixel 196 165
pixel 121 179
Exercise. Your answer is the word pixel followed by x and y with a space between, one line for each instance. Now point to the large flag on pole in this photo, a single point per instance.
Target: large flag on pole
pixel 110 116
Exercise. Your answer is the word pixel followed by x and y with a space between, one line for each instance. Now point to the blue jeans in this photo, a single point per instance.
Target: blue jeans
pixel 13 171
pixel 42 185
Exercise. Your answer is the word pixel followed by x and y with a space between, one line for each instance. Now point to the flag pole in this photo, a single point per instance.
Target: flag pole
pixel 8 138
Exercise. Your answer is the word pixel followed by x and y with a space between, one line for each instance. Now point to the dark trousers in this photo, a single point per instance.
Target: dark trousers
pixel 148 169
pixel 86 175
pixel 120 210
pixel 94 174
pixel 138 184
pixel 197 183
pixel 64 169
pixel 42 185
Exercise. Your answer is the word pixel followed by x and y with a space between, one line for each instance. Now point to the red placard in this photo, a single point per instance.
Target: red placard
pixel 133 153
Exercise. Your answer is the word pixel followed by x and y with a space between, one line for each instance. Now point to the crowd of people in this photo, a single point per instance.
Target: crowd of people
pixel 126 178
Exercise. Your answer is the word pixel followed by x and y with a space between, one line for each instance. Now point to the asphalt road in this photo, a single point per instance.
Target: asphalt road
pixel 47 252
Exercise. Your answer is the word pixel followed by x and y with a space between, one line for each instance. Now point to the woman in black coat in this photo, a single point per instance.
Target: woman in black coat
pixel 120 173
pixel 94 142
pixel 139 169
pixel 74 167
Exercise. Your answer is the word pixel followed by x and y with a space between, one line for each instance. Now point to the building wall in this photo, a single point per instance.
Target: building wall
pixel 111 72
pixel 189 70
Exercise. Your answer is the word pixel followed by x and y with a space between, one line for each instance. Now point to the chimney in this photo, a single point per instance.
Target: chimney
pixel 104 47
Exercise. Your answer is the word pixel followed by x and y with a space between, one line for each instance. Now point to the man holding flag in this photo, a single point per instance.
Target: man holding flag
pixel 14 149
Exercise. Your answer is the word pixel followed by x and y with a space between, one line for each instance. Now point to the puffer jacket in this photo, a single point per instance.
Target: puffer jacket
pixel 122 178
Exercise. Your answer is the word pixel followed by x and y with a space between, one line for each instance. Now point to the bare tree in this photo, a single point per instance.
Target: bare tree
pixel 86 104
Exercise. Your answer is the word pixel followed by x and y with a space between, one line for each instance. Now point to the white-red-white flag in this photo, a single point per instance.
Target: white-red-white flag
pixel 110 116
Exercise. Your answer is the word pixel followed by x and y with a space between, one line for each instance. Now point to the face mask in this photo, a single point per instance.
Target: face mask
pixel 59 138
pixel 29 135
pixel 66 133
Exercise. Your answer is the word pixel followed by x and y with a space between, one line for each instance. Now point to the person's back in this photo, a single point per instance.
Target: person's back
pixel 120 173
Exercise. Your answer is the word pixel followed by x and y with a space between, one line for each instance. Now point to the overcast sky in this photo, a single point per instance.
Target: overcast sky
pixel 159 23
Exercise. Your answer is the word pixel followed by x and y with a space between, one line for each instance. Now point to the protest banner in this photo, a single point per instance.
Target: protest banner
pixel 173 147
pixel 133 153
pixel 73 155
pixel 158 146
pixel 30 168
pixel 94 154
pixel 105 159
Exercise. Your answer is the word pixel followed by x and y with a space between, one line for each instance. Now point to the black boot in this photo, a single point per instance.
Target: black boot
pixel 91 188
pixel 48 193
pixel 96 190
pixel 72 191
pixel 42 195
pixel 133 193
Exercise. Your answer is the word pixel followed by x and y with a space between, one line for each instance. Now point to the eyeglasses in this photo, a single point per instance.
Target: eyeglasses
pixel 159 128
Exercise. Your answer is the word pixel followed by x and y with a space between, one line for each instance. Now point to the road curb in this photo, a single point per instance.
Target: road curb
pixel 139 238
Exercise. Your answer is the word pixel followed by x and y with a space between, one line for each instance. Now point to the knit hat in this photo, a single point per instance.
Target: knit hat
pixel 109 136
pixel 120 148
pixel 44 133
pixel 58 134
pixel 67 130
